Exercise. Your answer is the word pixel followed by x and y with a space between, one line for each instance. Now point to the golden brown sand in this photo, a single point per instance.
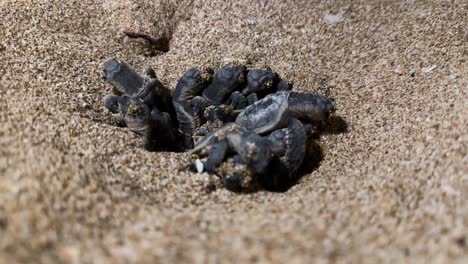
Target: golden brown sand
pixel 76 189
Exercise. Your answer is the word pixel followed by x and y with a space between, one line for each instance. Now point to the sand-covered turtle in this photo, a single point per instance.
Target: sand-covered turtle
pixel 225 81
pixel 199 91
pixel 289 144
pixel 214 116
pixel 260 80
pixel 275 110
pixel 145 87
pixel 187 100
pixel 232 152
pixel 155 126
pixel 247 126
pixel 245 160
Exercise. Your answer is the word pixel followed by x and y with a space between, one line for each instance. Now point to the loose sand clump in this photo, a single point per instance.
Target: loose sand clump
pixel 75 188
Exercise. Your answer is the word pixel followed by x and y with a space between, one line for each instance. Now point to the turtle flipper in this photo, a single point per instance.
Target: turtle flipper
pixel 213 136
pixel 122 77
pixel 237 101
pixel 295 141
pixel 284 86
pixel 216 155
pixel 252 148
pixel 149 73
pixel 185 117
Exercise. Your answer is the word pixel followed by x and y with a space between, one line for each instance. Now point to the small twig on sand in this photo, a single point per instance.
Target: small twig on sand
pixel 161 43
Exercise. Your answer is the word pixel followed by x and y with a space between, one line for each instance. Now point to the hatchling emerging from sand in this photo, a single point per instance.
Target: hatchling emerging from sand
pixel 201 89
pixel 205 100
pixel 248 127
pixel 143 105
pixel 244 159
pixel 155 126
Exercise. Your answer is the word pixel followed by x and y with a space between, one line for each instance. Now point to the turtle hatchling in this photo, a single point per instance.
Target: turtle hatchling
pixel 233 152
pixel 146 87
pixel 156 127
pixel 143 105
pixel 275 110
pixel 244 125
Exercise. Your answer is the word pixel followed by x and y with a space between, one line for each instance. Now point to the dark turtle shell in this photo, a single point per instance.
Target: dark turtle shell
pixel 225 81
pixel 267 114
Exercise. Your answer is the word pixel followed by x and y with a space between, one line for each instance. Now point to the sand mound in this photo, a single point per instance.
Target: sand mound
pixel 74 188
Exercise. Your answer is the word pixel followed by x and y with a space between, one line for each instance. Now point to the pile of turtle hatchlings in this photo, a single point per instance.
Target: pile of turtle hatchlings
pixel 246 126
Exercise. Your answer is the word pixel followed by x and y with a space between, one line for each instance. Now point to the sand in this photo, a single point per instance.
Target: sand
pixel 394 188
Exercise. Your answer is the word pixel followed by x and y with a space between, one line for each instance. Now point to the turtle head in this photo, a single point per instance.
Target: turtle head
pixel 260 80
pixel 113 103
pixel 136 114
pixel 314 107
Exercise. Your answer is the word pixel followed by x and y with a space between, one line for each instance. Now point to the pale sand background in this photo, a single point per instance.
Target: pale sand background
pixel 74 188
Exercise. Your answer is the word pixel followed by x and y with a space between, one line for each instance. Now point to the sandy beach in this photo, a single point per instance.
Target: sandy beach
pixel 74 188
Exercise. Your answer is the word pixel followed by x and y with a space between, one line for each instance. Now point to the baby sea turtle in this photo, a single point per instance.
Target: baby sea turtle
pixel 259 80
pixel 145 87
pixel 247 154
pixel 198 91
pixel 245 160
pixel 247 126
pixel 275 111
pixel 187 99
pixel 225 81
pixel 289 144
pixel 215 116
pixel 155 126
